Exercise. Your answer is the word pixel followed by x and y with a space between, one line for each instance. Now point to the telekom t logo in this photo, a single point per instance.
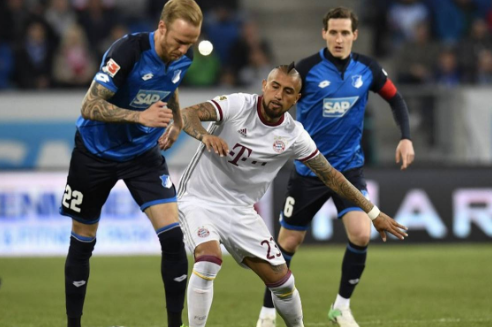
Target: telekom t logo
pixel 240 154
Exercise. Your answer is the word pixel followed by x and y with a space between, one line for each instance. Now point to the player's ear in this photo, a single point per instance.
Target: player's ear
pixel 263 85
pixel 356 34
pixel 162 27
pixel 323 33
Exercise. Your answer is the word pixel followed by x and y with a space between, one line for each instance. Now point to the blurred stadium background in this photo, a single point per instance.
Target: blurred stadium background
pixel 438 53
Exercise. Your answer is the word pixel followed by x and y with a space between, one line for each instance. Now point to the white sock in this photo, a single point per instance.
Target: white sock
pixel 268 312
pixel 288 301
pixel 201 290
pixel 341 303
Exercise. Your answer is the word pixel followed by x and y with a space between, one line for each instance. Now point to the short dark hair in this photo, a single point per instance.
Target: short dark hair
pixel 341 12
pixel 289 70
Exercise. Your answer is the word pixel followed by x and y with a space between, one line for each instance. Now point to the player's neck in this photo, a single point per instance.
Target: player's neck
pixel 340 63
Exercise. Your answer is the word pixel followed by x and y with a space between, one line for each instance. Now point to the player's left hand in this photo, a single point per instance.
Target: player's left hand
pixel 170 136
pixel 405 153
pixel 383 223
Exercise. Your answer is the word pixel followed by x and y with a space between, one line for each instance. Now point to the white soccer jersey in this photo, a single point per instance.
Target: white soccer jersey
pixel 257 151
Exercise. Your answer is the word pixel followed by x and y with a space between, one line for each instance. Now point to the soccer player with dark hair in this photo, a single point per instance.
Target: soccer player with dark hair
pixel 336 85
pixel 131 100
pixel 249 140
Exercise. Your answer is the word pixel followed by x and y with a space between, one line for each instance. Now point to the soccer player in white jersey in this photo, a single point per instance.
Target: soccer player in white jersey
pixel 252 137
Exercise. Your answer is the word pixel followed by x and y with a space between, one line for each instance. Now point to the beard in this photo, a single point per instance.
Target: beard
pixel 272 113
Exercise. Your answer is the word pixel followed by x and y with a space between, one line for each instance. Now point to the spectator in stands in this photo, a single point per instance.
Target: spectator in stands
pixel 403 16
pixel 223 27
pixel 478 40
pixel 250 56
pixel 452 18
pixel 418 57
pixel 34 57
pixel 116 33
pixel 97 21
pixel 14 16
pixel 6 64
pixel 74 65
pixel 60 16
pixel 484 67
pixel 447 73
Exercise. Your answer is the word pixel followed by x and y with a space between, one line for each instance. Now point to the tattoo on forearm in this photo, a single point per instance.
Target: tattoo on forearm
pixel 95 106
pixel 173 103
pixel 337 182
pixel 194 115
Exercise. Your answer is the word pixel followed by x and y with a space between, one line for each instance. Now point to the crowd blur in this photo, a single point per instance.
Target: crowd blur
pixel 60 43
pixel 440 42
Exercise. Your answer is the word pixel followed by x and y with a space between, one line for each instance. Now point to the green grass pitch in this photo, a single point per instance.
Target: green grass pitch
pixel 403 285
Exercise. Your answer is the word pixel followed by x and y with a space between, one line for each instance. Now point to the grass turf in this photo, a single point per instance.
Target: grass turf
pixel 417 285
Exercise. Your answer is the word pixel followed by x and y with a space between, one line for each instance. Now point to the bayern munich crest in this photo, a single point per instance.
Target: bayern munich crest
pixel 203 232
pixel 278 146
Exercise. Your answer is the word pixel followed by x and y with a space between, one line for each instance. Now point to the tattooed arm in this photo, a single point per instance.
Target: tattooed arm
pixel 338 183
pixel 170 136
pixel 95 106
pixel 192 118
pixel 173 104
pixel 194 115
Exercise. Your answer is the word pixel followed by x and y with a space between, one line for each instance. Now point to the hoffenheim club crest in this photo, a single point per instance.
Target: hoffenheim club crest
pixel 357 81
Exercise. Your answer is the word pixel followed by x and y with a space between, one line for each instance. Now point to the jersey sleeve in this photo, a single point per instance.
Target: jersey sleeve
pixel 304 147
pixel 117 63
pixel 228 106
pixel 379 76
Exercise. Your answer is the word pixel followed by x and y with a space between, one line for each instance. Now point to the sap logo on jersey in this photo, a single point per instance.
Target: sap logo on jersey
pixel 337 107
pixel 145 98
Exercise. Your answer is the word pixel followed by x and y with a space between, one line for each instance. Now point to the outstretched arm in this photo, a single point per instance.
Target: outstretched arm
pixel 192 118
pixel 95 106
pixel 338 183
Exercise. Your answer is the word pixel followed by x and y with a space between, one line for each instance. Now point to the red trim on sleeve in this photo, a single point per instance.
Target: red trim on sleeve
pixel 218 108
pixel 388 90
pixel 312 155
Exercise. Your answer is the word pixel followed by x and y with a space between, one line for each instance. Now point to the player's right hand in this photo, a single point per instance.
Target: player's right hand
pixel 383 223
pixel 217 144
pixel 157 115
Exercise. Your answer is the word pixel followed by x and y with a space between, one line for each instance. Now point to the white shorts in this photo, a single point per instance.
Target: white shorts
pixel 240 229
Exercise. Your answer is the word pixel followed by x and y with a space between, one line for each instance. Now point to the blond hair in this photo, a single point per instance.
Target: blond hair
pixel 187 10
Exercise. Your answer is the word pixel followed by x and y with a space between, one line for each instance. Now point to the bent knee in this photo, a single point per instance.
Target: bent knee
pixel 290 240
pixel 360 238
pixel 208 249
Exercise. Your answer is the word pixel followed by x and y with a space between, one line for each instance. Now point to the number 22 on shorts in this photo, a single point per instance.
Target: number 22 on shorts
pixel 72 199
